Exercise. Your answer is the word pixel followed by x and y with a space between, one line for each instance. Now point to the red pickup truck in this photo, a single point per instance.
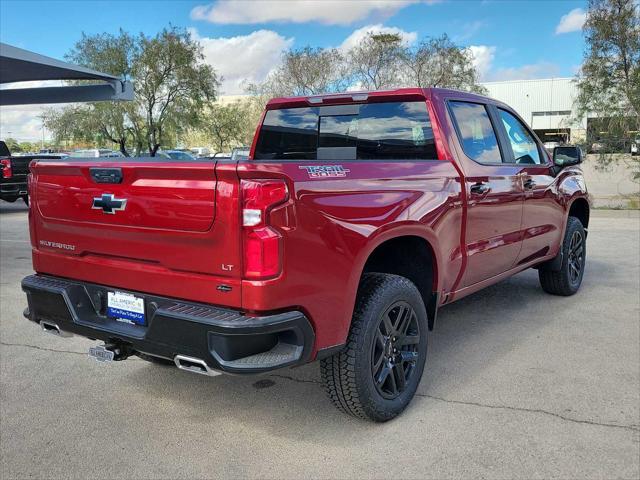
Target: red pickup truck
pixel 355 217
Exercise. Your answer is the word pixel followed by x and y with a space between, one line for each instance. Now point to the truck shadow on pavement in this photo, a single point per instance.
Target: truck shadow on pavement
pixel 470 335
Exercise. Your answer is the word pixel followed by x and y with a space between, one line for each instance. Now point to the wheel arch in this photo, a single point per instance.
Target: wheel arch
pixel 580 209
pixel 409 253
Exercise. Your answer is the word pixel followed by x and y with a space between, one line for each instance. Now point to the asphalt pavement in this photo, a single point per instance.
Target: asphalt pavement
pixel 518 384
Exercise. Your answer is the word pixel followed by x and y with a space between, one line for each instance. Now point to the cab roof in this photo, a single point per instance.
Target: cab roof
pixel 372 96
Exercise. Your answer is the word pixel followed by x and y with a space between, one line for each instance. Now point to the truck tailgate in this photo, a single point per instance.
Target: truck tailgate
pixel 158 226
pixel 158 196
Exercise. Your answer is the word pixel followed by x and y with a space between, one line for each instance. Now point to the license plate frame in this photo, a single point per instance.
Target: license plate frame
pixel 126 307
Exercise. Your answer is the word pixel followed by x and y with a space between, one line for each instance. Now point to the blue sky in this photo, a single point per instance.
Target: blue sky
pixel 244 40
pixel 522 33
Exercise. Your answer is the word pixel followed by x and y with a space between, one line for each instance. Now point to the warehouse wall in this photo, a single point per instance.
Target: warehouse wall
pixel 542 103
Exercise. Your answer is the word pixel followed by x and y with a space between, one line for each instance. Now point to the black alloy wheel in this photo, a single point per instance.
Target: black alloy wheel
pixel 566 278
pixel 576 257
pixel 377 372
pixel 395 350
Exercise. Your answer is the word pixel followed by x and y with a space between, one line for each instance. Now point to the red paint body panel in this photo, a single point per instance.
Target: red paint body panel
pixel 145 247
pixel 181 234
pixel 331 225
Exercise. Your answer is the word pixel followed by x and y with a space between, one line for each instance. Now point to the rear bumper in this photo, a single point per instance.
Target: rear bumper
pixel 226 340
pixel 13 188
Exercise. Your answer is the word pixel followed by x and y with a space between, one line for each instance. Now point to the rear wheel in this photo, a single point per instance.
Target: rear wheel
pixel 568 279
pixel 25 199
pixel 377 374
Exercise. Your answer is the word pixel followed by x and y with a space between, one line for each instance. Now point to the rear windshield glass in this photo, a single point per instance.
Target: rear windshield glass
pixel 395 130
pixel 4 150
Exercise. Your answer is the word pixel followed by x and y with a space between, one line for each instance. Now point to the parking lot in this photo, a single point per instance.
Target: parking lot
pixel 518 384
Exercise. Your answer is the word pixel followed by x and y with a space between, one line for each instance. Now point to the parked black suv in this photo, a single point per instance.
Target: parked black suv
pixel 13 181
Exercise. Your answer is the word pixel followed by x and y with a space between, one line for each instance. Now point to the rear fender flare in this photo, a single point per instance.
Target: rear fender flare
pixel 386 233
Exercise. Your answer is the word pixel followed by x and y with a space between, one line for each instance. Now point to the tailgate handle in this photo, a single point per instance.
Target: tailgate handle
pixel 106 175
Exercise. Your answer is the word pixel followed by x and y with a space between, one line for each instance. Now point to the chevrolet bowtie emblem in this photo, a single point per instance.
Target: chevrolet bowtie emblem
pixel 108 203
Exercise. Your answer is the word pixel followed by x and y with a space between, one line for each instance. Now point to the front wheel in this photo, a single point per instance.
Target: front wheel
pixel 568 279
pixel 377 374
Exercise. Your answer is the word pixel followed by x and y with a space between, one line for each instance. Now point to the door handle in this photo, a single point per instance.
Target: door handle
pixel 529 184
pixel 480 188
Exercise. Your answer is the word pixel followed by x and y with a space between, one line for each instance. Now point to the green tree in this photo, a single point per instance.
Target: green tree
pixel 438 62
pixel 376 62
pixel 172 83
pixel 102 121
pixel 609 80
pixel 307 71
pixel 12 144
pixel 26 147
pixel 380 60
pixel 226 125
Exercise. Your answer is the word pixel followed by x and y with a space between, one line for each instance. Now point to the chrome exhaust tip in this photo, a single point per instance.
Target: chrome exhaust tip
pixel 52 328
pixel 194 365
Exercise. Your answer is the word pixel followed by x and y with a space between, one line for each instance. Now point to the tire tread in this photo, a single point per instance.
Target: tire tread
pixel 338 372
pixel 557 282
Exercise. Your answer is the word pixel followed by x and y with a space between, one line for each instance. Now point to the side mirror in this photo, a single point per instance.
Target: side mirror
pixel 565 156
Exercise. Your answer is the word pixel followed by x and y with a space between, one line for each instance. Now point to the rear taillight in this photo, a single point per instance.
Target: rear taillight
pixel 6 167
pixel 262 243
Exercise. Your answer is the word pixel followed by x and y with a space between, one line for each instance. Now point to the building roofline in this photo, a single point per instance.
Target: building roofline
pixel 528 80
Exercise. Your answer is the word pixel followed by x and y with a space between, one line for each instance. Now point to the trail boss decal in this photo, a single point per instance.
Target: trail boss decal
pixel 323 171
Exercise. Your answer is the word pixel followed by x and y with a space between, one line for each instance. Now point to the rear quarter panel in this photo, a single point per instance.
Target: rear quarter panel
pixel 330 226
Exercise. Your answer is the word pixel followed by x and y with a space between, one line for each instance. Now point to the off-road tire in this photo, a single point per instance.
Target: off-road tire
pixel 562 282
pixel 348 376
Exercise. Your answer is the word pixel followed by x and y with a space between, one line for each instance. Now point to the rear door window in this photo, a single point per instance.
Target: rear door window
pixel 398 130
pixel 475 131
pixel 385 131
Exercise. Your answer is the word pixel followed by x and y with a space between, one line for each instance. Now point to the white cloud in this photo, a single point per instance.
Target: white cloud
pixel 23 122
pixel 32 84
pixel 525 72
pixel 358 35
pixel 329 12
pixel 483 56
pixel 572 21
pixel 243 58
pixel 250 58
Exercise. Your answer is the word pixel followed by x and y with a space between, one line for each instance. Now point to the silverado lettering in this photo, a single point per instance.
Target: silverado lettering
pixel 64 246
pixel 354 219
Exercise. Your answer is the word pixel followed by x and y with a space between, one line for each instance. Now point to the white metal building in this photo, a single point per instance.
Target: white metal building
pixel 546 104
